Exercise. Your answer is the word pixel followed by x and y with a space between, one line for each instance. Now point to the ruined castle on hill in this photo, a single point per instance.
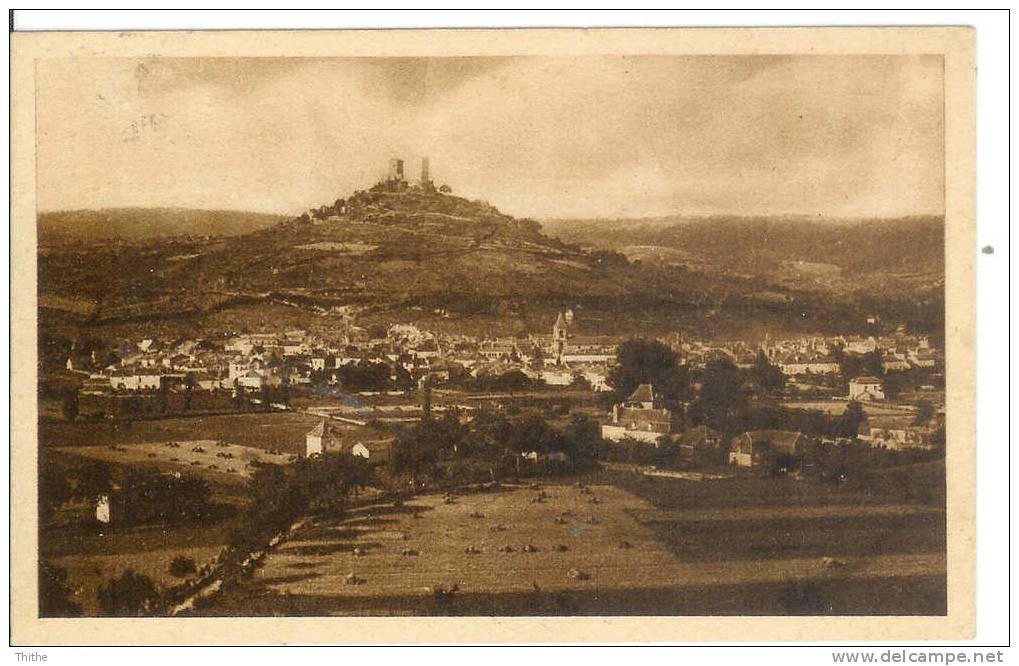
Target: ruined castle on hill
pixel 393 182
pixel 396 181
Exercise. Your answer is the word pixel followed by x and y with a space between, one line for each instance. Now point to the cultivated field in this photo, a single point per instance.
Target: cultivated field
pixel 219 461
pixel 627 554
pixel 283 431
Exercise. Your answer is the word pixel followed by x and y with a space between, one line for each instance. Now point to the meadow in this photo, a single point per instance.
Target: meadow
pixel 284 431
pixel 736 547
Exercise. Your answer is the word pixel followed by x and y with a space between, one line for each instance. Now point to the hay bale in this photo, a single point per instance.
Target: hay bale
pixel 530 548
pixel 561 548
pixel 354 579
pixel 409 552
pixel 625 545
pixel 577 574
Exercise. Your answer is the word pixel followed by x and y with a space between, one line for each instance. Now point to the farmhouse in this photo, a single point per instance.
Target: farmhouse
pixel 808 364
pixel 761 448
pixel 895 431
pixel 866 388
pixel 641 417
pixel 328 437
pixel 894 362
pixel 136 380
pixel 696 440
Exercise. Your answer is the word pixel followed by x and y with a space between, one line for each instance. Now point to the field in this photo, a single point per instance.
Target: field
pixel 665 547
pixel 283 431
pixel 92 555
pixel 218 461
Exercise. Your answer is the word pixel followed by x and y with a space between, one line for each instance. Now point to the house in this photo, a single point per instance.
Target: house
pixel 894 362
pixel 866 388
pixel 760 448
pixel 640 417
pixel 860 346
pixel 557 377
pixel 698 439
pixel 136 380
pixel 808 364
pixel 103 509
pixel 893 431
pixel 922 358
pixel 329 436
pixel 252 379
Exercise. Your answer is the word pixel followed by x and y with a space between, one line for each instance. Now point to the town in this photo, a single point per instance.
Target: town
pixel 234 449
pixel 381 378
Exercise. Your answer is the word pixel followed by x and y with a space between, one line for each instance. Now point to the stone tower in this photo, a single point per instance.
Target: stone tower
pixel 395 169
pixel 425 178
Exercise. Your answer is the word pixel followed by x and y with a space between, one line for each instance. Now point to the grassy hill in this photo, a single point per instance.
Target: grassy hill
pixel 877 258
pixel 139 224
pixel 440 260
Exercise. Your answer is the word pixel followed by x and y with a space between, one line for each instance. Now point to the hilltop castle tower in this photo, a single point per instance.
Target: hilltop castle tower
pixel 395 169
pixel 425 179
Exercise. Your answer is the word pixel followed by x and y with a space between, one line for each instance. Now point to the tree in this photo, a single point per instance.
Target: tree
pixel 129 594
pixel 769 376
pixel 722 403
pixel 582 437
pixel 848 424
pixel 580 383
pixel 924 412
pixel 417 449
pixel 70 406
pixel 189 390
pixel 855 365
pixel 54 593
pixel 182 566
pixel 641 361
pixel 329 479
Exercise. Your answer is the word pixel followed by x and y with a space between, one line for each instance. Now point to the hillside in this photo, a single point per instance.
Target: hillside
pixel 441 260
pixel 139 224
pixel 874 256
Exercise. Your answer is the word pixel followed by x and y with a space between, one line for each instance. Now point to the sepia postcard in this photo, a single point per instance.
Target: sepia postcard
pixel 492 336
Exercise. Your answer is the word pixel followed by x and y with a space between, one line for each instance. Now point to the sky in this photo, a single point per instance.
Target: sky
pixel 542 137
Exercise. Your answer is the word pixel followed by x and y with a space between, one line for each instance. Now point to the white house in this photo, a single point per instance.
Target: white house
pixel 103 509
pixel 641 418
pixel 135 381
pixel 866 388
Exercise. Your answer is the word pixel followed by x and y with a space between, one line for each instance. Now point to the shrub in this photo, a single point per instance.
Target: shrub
pixel 129 594
pixel 55 594
pixel 182 566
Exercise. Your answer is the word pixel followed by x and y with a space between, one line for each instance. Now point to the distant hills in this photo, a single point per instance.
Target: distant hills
pixel 879 257
pixel 135 224
pixel 764 243
pixel 450 263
